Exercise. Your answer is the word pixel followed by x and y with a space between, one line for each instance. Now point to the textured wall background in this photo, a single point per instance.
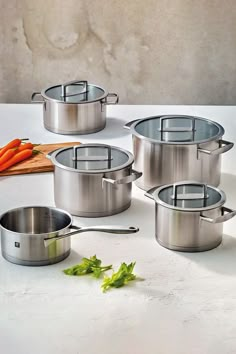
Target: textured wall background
pixel 150 52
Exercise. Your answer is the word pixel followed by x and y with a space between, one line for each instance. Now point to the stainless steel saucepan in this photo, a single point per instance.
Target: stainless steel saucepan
pixel 189 216
pixel 75 107
pixel 38 235
pixel 93 180
pixel 173 148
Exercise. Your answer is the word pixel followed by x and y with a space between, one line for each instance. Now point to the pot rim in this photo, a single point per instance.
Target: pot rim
pixel 35 206
pixel 157 200
pixel 43 94
pixel 142 137
pixel 129 162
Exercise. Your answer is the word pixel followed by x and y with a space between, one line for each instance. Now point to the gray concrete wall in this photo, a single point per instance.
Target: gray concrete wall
pixel 148 51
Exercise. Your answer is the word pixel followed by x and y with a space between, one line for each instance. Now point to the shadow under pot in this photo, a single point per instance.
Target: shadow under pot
pixel 168 149
pixel 189 216
pixel 93 180
pixel 75 107
pixel 38 235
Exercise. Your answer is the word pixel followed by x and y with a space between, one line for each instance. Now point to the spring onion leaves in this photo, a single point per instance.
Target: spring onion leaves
pixel 91 265
pixel 119 278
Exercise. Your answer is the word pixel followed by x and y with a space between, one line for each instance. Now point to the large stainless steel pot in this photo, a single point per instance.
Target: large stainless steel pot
pixel 93 180
pixel 38 235
pixel 168 149
pixel 75 107
pixel 189 216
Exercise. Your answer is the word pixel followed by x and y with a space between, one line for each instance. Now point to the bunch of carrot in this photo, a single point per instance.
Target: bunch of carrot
pixel 15 151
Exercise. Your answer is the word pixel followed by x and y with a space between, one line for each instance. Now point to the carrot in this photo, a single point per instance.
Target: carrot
pixel 18 157
pixel 25 146
pixel 7 156
pixel 12 144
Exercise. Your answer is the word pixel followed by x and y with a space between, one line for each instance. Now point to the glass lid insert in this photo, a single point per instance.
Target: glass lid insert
pixel 178 129
pixel 190 195
pixel 75 92
pixel 92 157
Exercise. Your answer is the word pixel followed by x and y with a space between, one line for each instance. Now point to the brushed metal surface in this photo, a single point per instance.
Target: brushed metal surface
pixel 48 261
pixel 86 194
pixel 165 164
pixel 186 231
pixel 70 115
pixel 23 231
pixel 70 118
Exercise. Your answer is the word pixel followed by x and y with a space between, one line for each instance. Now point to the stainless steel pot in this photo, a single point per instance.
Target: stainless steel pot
pixel 168 149
pixel 189 216
pixel 38 235
pixel 93 180
pixel 75 107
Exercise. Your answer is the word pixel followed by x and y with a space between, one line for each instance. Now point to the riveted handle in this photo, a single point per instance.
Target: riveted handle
pixel 227 214
pixel 128 179
pixel 224 146
pixel 33 100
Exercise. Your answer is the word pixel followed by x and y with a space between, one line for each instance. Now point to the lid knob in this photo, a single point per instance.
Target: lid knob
pixel 82 83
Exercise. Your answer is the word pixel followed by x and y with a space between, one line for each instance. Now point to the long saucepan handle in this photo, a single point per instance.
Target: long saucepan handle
pixel 227 214
pixel 100 228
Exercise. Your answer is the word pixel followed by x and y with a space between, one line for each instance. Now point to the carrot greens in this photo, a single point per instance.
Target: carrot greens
pixel 119 278
pixel 91 265
pixel 94 266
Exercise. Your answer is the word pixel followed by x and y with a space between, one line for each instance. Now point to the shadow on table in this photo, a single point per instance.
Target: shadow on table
pixel 114 129
pixel 142 214
pixel 220 260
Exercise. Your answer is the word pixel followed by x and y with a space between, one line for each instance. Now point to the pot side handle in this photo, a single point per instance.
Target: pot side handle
pixel 150 192
pixel 224 146
pixel 128 179
pixel 227 214
pixel 128 125
pixel 115 99
pixel 34 95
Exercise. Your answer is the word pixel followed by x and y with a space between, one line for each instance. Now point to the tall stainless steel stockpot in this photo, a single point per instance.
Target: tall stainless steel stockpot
pixel 169 148
pixel 75 107
pixel 38 235
pixel 93 180
pixel 189 216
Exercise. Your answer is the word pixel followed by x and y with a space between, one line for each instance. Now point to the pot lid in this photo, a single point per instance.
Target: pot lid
pixel 177 129
pixel 92 158
pixel 74 92
pixel 189 196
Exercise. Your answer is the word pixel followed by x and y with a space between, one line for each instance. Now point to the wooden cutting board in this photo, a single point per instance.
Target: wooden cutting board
pixel 37 163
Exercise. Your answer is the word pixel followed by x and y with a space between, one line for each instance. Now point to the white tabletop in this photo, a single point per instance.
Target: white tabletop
pixel 187 302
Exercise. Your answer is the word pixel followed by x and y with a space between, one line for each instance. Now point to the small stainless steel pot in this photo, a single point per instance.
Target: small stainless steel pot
pixel 168 149
pixel 189 216
pixel 93 180
pixel 38 235
pixel 75 107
